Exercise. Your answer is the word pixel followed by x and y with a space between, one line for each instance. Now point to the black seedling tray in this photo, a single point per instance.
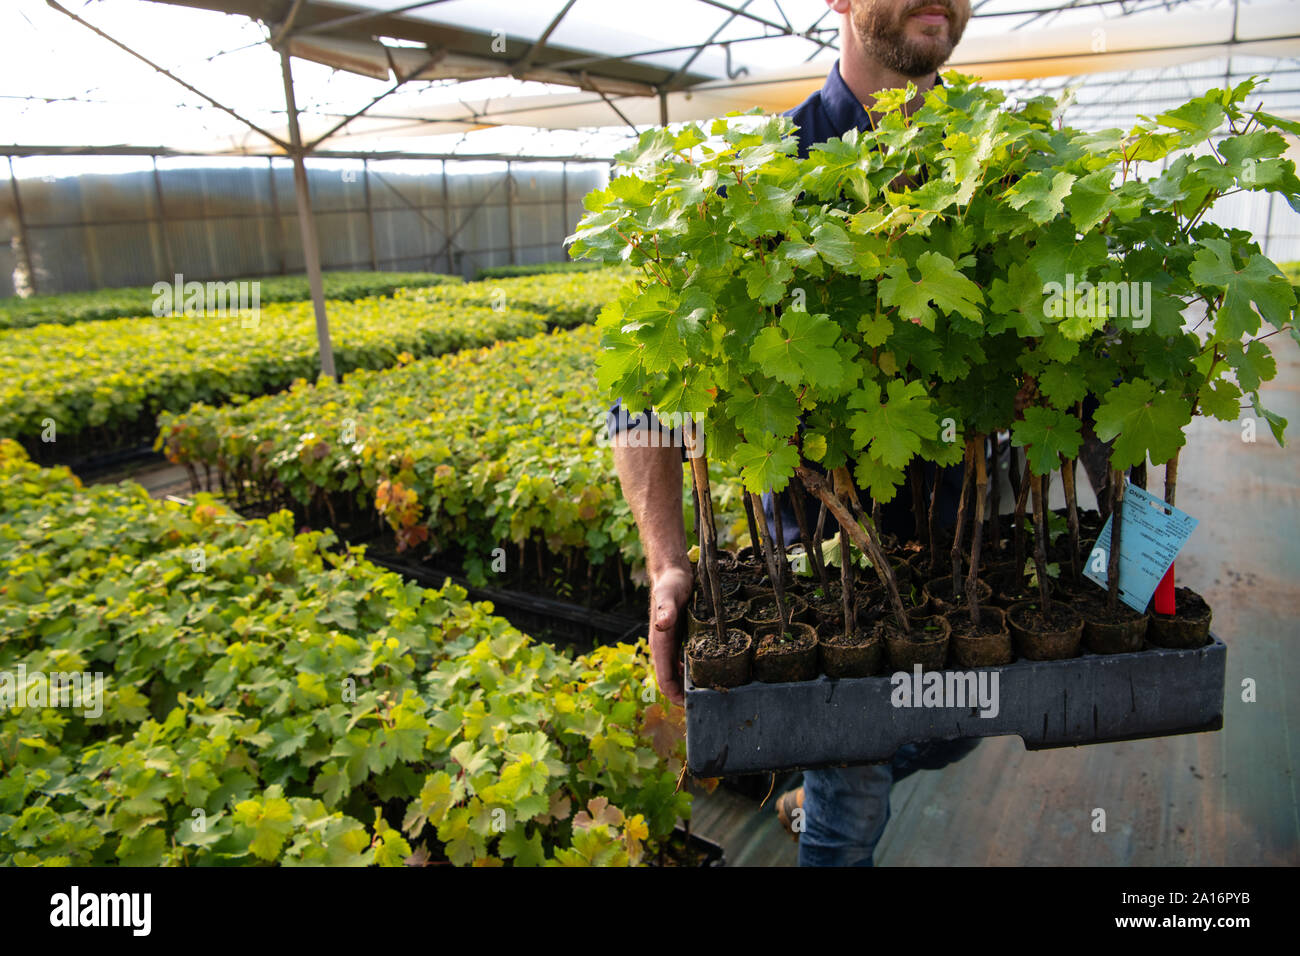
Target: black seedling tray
pixel 541 617
pixel 712 853
pixel 1089 699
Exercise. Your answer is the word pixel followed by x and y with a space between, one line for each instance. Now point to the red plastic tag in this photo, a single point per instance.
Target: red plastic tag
pixel 1164 596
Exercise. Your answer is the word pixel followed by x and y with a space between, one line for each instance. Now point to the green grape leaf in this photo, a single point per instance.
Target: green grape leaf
pixel 765 211
pixel 828 165
pixel 801 255
pixel 958 354
pixel 1017 302
pixel 1196 119
pixel 1046 434
pixel 1063 384
pixel 658 335
pixel 289 737
pixel 892 429
pixel 524 850
pixel 331 784
pixel 1220 399
pixel 346 843
pixel 940 283
pixel 271 819
pixel 1259 283
pixel 1278 122
pixel 800 351
pixel 1059 253
pixel 875 329
pixel 1091 199
pixel 690 393
pixel 766 465
pixel 408 733
pixel 878 480
pixel 521 777
pixel 1253 364
pixel 915 346
pixel 1143 422
pixel 1041 198
pixel 833 244
pixel 471 760
pixel 390 848
pixel 708 242
pixel 771 408
pixel 766 281
pixel 1057 346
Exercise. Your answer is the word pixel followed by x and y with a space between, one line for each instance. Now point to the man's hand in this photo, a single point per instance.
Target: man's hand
pixel 669 593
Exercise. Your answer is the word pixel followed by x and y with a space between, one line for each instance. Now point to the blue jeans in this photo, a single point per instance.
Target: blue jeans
pixel 846 808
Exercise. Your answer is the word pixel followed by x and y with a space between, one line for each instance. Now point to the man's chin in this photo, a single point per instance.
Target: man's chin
pixel 928 33
pixel 923 63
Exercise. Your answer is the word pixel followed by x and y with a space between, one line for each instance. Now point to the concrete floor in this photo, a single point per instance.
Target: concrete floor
pixel 160 478
pixel 1223 798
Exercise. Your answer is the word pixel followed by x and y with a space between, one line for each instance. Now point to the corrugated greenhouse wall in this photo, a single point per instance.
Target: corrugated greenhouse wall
pixel 230 219
pixel 11 251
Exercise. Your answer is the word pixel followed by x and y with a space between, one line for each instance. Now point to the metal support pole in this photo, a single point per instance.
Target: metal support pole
pixel 469 216
pixel 663 108
pixel 564 204
pixel 168 261
pixel 370 214
pixel 510 211
pixel 310 250
pixel 279 221
pixel 22 228
pixel 446 218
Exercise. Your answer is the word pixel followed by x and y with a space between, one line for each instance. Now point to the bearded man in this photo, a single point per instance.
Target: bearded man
pixel 838 814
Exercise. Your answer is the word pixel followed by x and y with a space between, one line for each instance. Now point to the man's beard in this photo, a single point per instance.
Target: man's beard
pixel 883 34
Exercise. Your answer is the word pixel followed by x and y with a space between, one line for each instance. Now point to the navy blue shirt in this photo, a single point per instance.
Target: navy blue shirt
pixel 831 111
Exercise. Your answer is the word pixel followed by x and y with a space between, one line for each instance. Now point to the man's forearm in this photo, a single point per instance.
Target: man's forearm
pixel 652 484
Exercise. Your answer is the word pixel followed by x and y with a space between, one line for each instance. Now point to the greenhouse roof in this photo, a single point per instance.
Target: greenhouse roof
pixel 555 77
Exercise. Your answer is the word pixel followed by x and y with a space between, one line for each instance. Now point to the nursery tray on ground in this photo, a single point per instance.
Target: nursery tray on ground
pixel 541 617
pixel 1083 700
pixel 689 849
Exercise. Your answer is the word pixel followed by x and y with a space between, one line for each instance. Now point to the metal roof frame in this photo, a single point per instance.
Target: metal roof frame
pixel 447 50
pixel 350 37
pixel 289 20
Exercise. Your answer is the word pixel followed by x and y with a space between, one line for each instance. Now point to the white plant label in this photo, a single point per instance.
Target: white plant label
pixel 1153 534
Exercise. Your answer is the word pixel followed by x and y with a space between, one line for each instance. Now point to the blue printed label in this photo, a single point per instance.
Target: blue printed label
pixel 1152 536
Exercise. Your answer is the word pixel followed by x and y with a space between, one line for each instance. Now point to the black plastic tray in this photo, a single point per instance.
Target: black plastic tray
pixel 713 854
pixel 1083 700
pixel 542 617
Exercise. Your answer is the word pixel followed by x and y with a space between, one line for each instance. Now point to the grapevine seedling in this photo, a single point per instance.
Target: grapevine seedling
pixel 841 320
